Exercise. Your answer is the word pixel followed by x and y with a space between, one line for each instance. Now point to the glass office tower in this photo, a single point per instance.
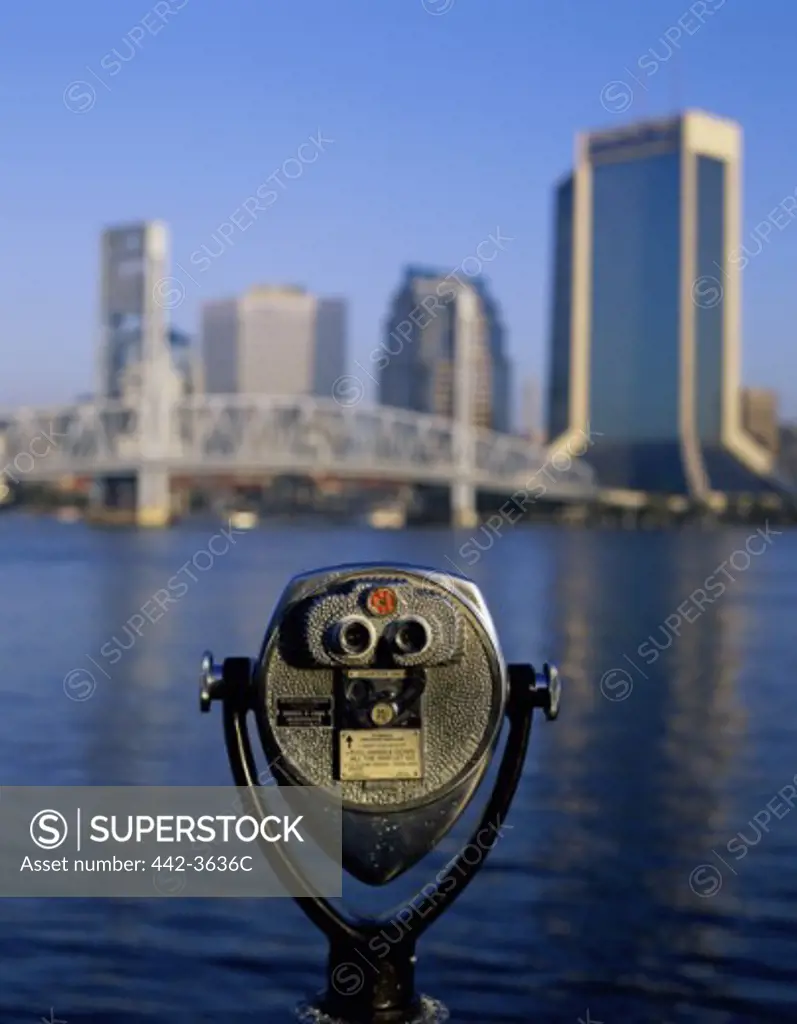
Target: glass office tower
pixel 646 309
pixel 416 360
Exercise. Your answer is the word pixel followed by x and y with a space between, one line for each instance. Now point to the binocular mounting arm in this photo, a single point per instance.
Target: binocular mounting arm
pixel 389 994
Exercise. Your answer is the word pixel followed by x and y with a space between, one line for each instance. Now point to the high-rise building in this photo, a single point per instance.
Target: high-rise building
pixel 136 361
pixel 417 359
pixel 274 341
pixel 133 327
pixel 645 339
pixel 760 416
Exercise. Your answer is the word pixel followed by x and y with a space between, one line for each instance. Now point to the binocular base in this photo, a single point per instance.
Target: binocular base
pixel 365 989
pixel 427 1011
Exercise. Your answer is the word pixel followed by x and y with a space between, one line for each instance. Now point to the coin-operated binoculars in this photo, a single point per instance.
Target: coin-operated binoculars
pixel 385 685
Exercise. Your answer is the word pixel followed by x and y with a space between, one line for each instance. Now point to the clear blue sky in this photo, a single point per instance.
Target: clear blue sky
pixel 445 127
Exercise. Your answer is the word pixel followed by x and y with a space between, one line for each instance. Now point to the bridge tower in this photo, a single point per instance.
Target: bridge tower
pixel 463 491
pixel 135 364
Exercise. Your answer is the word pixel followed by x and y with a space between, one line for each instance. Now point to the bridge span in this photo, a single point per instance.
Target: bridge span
pixel 211 434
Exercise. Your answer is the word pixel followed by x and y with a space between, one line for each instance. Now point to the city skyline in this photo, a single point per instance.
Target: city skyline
pixel 165 293
pixel 366 206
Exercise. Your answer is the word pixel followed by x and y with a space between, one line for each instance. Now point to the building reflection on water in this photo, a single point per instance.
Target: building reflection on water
pixel 638 766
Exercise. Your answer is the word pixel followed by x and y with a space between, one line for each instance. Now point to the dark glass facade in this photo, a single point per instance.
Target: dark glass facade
pixel 635 266
pixel 501 397
pixel 709 320
pixel 640 466
pixel 727 473
pixel 559 373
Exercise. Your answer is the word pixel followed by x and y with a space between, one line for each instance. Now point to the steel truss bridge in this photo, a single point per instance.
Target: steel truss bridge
pixel 241 435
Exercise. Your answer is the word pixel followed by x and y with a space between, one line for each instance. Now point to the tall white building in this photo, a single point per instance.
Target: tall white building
pixel 136 336
pixel 133 326
pixel 274 341
pixel 136 362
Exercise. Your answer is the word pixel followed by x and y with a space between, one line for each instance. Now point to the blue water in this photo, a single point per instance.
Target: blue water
pixel 584 908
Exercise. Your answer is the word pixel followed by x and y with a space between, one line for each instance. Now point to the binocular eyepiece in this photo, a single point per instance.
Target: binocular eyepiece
pixel 355 638
pixel 352 637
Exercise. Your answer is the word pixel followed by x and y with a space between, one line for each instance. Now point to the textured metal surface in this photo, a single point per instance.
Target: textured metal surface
pixel 387 825
pixel 463 705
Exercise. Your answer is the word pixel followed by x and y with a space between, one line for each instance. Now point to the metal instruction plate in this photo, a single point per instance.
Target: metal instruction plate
pixel 304 712
pixel 380 755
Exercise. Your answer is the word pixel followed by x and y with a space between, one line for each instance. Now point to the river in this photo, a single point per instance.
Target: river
pixel 649 874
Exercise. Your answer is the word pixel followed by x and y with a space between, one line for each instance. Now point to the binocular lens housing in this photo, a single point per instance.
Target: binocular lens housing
pixel 411 636
pixel 353 637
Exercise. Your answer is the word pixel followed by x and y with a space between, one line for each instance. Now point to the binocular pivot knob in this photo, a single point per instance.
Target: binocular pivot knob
pixel 549 691
pixel 218 681
pixel 211 679
pixel 540 689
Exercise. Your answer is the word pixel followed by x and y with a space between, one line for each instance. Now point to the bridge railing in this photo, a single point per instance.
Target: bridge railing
pixel 308 432
pixel 217 433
